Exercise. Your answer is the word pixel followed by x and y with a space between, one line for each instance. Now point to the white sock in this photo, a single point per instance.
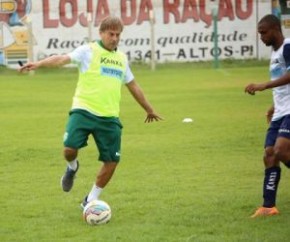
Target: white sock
pixel 73 164
pixel 95 193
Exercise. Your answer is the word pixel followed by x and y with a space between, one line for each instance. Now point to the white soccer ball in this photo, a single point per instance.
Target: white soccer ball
pixel 97 212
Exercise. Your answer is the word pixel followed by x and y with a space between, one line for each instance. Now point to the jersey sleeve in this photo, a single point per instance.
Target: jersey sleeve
pixel 128 75
pixel 81 56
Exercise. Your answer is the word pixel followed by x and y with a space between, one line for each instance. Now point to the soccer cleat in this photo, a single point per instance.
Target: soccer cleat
pixel 84 202
pixel 67 179
pixel 264 212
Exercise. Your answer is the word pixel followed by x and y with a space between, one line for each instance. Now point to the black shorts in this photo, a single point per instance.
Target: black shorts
pixel 278 128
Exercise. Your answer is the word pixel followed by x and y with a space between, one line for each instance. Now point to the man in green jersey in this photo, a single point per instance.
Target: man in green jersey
pixel 95 108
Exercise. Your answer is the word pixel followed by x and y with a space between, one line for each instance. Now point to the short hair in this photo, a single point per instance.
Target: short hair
pixel 112 23
pixel 272 20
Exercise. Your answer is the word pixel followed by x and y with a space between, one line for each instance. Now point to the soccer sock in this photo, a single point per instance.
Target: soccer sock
pixel 73 164
pixel 95 193
pixel 271 182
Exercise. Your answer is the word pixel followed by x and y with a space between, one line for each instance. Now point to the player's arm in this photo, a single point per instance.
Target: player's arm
pixel 252 88
pixel 283 80
pixel 52 61
pixel 279 82
pixel 139 96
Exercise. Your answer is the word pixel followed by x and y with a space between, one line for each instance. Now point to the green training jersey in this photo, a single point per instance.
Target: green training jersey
pixel 98 89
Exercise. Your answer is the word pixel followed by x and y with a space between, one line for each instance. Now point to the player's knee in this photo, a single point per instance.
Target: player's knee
pixel 281 153
pixel 70 154
pixel 269 157
pixel 110 166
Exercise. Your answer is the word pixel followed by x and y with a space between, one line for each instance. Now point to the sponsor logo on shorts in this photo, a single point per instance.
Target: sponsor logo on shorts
pixel 65 136
pixel 118 154
pixel 284 131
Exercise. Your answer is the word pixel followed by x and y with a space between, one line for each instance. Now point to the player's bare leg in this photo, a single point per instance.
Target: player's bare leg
pixel 106 173
pixel 103 177
pixel 282 150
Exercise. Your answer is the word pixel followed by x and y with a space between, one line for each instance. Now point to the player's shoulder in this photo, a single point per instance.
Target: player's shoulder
pixel 122 54
pixel 81 50
pixel 286 46
pixel 84 48
pixel 286 41
pixel 81 54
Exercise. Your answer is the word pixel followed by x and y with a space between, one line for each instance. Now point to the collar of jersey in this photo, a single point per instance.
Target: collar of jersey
pixel 102 45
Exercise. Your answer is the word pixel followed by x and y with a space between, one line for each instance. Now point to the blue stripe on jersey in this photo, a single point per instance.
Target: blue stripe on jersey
pixel 286 55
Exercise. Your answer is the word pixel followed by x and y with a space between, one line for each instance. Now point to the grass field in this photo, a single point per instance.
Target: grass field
pixel 177 182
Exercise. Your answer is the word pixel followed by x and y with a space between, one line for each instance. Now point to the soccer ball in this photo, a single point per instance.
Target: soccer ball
pixel 97 212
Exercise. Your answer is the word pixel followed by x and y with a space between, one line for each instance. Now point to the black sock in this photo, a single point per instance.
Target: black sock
pixel 271 182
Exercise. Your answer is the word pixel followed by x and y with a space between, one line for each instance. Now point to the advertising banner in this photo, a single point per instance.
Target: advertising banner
pixel 182 30
pixel 285 12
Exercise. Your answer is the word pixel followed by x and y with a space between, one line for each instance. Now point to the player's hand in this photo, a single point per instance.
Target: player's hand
pixel 252 88
pixel 28 67
pixel 152 117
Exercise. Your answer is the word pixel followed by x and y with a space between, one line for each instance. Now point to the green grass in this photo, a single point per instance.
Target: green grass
pixel 176 182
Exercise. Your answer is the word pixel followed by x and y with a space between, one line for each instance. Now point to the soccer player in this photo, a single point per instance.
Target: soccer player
pixel 95 107
pixel 277 142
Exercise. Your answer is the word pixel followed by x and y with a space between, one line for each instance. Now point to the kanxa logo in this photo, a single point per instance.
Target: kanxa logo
pixel 105 60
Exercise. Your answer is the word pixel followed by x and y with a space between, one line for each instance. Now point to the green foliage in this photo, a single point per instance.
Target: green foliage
pixel 177 182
